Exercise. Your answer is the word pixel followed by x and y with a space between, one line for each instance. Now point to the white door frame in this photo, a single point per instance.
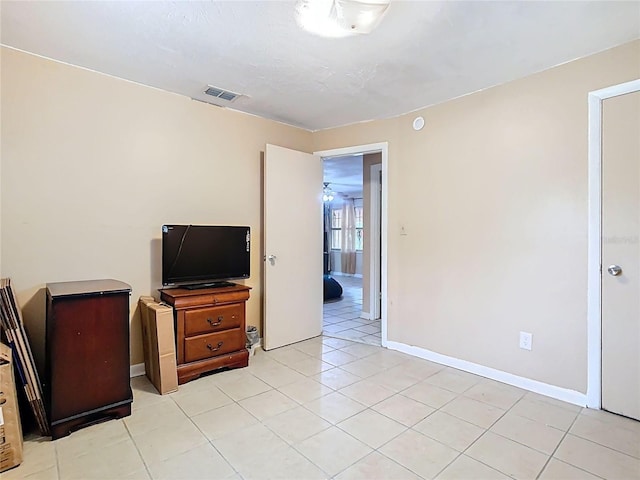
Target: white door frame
pixel 374 242
pixel 594 269
pixel 383 148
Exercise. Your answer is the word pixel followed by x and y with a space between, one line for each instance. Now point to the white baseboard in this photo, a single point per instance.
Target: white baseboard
pixel 564 394
pixel 365 315
pixel 136 370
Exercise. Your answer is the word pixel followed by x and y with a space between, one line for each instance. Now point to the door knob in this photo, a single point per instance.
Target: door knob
pixel 272 259
pixel 614 270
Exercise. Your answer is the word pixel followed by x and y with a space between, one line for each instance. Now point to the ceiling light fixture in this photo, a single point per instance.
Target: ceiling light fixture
pixel 340 18
pixel 327 193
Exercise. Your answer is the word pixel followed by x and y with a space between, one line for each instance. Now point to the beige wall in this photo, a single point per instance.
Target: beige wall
pixel 92 166
pixel 493 197
pixel 492 194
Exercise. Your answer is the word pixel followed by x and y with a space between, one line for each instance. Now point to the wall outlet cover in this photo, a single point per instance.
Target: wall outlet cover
pixel 526 339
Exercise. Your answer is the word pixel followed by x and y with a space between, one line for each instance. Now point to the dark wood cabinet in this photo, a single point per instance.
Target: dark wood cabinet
pixel 87 353
pixel 210 328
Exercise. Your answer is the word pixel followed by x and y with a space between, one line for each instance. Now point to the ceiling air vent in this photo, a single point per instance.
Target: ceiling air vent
pixel 222 94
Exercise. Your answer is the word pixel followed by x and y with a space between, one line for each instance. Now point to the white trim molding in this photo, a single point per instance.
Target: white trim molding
pixel 374 243
pixel 383 148
pixel 594 274
pixel 136 370
pixel 564 394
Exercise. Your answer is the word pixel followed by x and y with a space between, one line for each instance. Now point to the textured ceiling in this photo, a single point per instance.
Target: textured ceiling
pixel 424 52
pixel 344 175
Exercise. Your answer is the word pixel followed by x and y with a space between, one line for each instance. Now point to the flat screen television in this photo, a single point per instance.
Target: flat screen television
pixel 198 256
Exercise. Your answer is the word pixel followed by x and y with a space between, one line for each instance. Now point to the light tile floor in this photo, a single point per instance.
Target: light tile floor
pixel 332 408
pixel 342 317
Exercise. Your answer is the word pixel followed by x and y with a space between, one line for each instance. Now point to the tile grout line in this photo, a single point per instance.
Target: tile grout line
pixel 336 425
pixel 303 406
pixel 367 407
pixel 479 437
pixel 407 428
pixel 210 440
pixel 601 444
pixel 135 444
pixel 549 456
pixel 558 446
pixel 516 441
pixel 331 424
pixel 55 448
pixel 349 434
pixel 214 386
pixel 373 449
pixel 170 397
pixel 352 295
pixel 411 428
pixel 292 445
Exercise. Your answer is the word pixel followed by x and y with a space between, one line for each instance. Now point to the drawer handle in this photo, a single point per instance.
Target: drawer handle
pixel 212 348
pixel 215 324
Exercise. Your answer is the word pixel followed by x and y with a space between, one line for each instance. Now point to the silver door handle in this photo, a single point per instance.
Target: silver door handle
pixel 272 259
pixel 614 270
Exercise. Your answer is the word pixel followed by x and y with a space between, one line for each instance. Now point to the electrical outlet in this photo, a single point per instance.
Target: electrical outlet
pixel 526 339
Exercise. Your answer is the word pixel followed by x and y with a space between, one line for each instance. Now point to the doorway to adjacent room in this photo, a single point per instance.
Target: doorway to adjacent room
pixel 353 244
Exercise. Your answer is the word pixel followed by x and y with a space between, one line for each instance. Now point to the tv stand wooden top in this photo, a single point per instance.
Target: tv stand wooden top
pixel 183 297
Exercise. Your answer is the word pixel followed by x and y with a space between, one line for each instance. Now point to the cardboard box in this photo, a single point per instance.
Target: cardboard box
pixel 10 427
pixel 159 345
pixel 147 339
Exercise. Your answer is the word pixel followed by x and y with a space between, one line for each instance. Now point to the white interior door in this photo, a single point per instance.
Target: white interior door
pixel 292 246
pixel 621 255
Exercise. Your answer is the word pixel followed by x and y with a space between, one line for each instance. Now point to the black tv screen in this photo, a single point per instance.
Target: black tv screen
pixel 204 254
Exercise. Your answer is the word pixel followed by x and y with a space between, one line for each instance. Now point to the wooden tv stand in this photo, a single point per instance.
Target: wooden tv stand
pixel 210 328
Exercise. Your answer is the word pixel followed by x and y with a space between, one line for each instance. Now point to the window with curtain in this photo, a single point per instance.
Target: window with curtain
pixel 359 228
pixel 336 227
pixel 348 237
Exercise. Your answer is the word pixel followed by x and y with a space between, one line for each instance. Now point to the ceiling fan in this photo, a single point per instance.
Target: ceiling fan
pixel 327 194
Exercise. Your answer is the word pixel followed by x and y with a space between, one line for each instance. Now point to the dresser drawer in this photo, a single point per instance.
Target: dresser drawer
pixel 212 319
pixel 213 344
